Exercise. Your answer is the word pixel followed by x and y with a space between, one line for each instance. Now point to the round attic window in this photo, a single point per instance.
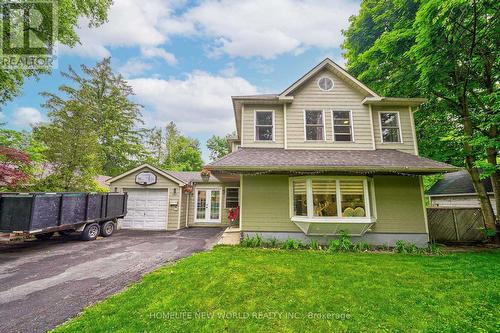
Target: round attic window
pixel 325 83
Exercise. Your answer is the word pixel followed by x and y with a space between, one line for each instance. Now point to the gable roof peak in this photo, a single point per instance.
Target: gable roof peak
pixel 341 73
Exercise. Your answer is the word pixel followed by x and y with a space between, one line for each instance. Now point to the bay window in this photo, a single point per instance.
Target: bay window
pixel 330 198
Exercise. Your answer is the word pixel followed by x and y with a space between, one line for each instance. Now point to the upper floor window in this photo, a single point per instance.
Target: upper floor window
pixel 314 125
pixel 390 127
pixel 325 83
pixel 264 125
pixel 342 126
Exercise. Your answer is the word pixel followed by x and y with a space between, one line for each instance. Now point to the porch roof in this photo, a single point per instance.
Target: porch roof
pixel 386 161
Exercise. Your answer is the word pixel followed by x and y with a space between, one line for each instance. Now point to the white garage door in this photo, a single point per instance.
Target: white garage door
pixel 147 209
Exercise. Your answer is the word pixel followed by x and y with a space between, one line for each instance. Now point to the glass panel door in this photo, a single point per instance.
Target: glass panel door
pixel 208 205
pixel 215 205
pixel 201 205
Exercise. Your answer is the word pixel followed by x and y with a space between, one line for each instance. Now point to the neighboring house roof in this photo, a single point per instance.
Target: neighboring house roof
pixel 366 161
pixel 457 183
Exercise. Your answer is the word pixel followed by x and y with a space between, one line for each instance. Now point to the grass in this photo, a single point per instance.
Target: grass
pixel 268 290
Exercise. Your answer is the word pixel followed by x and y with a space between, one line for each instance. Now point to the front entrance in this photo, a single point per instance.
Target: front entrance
pixel 208 205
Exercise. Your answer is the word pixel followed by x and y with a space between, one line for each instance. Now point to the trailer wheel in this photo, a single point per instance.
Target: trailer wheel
pixel 107 228
pixel 44 236
pixel 90 232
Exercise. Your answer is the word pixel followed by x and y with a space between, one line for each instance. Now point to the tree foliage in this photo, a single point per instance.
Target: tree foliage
pixel 14 165
pixel 170 150
pixel 218 146
pixel 69 12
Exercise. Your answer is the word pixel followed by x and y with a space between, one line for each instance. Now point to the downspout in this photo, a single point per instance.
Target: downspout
pixel 187 208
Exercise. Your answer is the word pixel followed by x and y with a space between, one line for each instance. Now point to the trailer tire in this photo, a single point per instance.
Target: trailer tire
pixel 44 236
pixel 90 232
pixel 107 228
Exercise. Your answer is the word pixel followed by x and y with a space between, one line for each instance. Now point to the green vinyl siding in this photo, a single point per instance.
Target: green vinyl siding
pixel 399 205
pixel 398 202
pixel 265 204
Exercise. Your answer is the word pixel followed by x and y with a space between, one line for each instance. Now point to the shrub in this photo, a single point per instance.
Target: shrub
pixel 405 247
pixel 314 245
pixel 434 248
pixel 291 244
pixel 342 244
pixel 256 241
pixel 274 242
pixel 362 247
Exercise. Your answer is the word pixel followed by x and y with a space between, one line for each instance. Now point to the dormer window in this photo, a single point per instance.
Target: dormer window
pixel 264 125
pixel 325 83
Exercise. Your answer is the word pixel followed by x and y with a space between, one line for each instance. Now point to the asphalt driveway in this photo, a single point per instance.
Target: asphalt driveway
pixel 43 283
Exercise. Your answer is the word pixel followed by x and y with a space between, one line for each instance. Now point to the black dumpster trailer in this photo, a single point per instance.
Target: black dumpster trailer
pixel 43 214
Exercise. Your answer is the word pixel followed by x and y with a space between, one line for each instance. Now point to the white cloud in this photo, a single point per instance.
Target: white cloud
pixel 26 116
pixel 244 28
pixel 130 23
pixel 152 52
pixel 269 28
pixel 134 67
pixel 200 103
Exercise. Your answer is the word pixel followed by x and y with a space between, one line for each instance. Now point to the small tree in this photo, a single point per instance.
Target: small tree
pixel 13 168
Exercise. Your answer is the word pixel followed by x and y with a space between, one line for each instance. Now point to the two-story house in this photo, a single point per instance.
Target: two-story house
pixel 327 154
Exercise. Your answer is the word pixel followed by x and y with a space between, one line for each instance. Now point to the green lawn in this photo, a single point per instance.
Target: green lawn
pixel 262 290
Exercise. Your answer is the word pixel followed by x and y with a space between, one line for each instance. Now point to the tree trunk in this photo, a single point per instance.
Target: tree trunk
pixel 484 201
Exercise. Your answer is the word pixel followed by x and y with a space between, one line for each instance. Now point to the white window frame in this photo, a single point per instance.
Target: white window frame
pixel 399 128
pixel 255 138
pixel 305 125
pixel 350 123
pixel 225 195
pixel 322 77
pixel 310 204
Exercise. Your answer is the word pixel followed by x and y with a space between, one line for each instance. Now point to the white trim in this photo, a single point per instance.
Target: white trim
pixel 225 196
pixel 208 212
pixel 351 125
pixel 145 165
pixel 421 183
pixel 456 195
pixel 242 125
pixel 325 77
pixel 241 202
pixel 372 126
pixel 179 209
pixel 255 126
pixel 324 125
pixel 372 192
pixel 413 131
pixel 285 139
pixel 399 127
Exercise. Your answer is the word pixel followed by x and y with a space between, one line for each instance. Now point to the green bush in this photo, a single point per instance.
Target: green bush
pixel 405 247
pixel 342 243
pixel 314 245
pixel 291 244
pixel 362 247
pixel 274 242
pixel 256 241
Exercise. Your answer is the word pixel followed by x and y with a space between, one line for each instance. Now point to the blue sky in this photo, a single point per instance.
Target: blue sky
pixel 184 59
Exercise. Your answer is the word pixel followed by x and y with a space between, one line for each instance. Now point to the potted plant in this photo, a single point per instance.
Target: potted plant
pixel 188 189
pixel 205 175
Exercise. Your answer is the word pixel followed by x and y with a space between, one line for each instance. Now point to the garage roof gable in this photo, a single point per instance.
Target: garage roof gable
pixel 160 172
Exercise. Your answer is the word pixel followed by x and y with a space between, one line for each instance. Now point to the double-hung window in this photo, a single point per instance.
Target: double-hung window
pixel 342 126
pixel 390 127
pixel 264 125
pixel 314 125
pixel 330 197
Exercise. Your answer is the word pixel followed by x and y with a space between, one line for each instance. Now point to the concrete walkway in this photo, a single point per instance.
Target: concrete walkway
pixel 231 236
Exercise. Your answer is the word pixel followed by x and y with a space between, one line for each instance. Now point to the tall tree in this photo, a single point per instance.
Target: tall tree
pixel 114 118
pixel 170 150
pixel 68 14
pixel 72 147
pixel 219 146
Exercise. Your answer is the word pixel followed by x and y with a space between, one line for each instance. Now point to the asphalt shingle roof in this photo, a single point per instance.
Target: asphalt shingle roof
pixel 457 183
pixel 380 160
pixel 190 176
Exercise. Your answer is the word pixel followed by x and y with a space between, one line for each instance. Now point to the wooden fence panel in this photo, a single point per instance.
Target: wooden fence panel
pixel 455 224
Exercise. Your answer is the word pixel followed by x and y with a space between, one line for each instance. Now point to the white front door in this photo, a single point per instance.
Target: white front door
pixel 146 209
pixel 208 205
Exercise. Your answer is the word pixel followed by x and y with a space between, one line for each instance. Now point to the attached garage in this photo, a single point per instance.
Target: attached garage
pixel 147 209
